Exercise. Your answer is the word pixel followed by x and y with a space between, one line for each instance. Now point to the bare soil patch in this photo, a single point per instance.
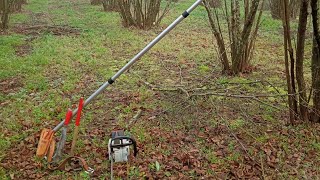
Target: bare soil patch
pixel 41 29
pixel 10 85
pixel 38 30
pixel 2 32
pixel 23 50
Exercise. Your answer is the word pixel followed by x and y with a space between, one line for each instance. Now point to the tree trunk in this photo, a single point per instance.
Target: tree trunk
pixel 235 36
pixel 303 18
pixel 110 5
pixel 276 8
pixel 289 77
pixel 213 3
pixel 221 44
pixel 5 14
pixel 316 81
pixel 240 62
pixel 315 66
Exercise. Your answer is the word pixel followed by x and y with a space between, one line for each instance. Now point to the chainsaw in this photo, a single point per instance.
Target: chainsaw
pixel 119 148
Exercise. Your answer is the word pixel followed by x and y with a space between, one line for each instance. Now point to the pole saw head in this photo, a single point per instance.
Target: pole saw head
pixel 119 147
pixel 47 143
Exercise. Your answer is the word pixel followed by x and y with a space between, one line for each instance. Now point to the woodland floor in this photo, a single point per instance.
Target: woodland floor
pixel 59 50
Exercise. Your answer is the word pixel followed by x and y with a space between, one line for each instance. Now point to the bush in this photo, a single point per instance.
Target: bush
pixel 110 5
pixel 7 7
pixel 214 3
pixel 142 13
pixel 96 2
pixel 276 8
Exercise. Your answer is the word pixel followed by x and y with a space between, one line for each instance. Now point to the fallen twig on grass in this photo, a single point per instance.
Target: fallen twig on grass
pixel 173 88
pixel 262 168
pixel 267 104
pixel 134 119
pixel 250 82
pixel 162 88
pixel 187 91
pixel 238 95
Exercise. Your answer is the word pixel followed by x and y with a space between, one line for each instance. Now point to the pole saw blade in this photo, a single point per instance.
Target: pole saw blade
pixel 63 138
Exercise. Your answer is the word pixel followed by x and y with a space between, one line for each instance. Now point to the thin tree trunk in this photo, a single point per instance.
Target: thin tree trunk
pixel 276 11
pixel 303 18
pixel 251 44
pixel 220 41
pixel 316 81
pixel 236 39
pixel 240 63
pixel 287 39
pixel 315 66
pixel 292 60
pixel 5 14
pixel 247 35
pixel 110 5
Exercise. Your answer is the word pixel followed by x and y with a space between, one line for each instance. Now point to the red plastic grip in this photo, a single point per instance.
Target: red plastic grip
pixel 79 111
pixel 68 117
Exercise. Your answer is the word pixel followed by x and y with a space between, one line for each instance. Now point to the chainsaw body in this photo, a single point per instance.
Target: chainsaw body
pixel 119 147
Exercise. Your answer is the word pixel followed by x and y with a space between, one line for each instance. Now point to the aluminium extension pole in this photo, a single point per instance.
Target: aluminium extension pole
pixel 135 58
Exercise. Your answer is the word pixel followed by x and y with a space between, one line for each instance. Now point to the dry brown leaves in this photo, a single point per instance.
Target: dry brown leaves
pixel 20 159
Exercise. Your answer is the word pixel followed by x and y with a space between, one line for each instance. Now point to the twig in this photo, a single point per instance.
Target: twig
pixel 262 168
pixel 251 82
pixel 185 91
pixel 179 87
pixel 180 73
pixel 262 102
pixel 134 118
pixel 167 88
pixel 238 96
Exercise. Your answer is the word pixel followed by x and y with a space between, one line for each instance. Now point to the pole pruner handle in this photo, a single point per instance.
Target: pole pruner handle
pixel 79 111
pixel 68 117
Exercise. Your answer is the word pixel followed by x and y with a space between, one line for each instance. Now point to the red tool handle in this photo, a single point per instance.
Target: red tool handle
pixel 68 117
pixel 79 111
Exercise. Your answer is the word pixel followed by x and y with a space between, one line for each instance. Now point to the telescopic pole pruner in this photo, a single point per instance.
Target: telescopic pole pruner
pixel 184 15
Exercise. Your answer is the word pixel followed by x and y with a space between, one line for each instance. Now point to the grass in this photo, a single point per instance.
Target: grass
pixel 60 69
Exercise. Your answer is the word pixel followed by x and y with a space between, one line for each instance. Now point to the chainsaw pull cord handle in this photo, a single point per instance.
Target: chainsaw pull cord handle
pixel 121 138
pixel 68 117
pixel 79 111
